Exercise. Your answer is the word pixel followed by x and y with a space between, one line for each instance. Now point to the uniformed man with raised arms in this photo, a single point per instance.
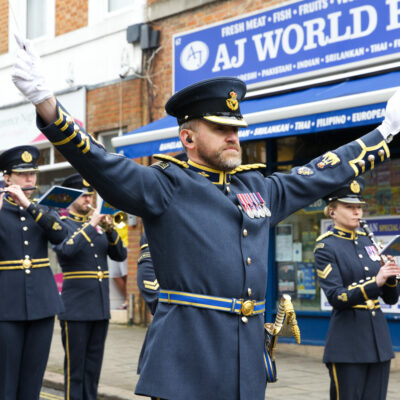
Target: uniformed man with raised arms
pixel 208 222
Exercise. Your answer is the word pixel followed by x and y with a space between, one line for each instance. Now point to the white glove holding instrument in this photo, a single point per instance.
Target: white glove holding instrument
pixel 391 124
pixel 27 73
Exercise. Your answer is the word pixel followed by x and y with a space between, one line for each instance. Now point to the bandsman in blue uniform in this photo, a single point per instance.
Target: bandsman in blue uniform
pixel 208 222
pixel 29 295
pixel 85 293
pixel 350 271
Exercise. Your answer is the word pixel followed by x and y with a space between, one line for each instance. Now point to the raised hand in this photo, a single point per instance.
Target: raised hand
pixel 391 124
pixel 27 73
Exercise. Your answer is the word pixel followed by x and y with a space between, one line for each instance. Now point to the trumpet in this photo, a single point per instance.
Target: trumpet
pixel 119 220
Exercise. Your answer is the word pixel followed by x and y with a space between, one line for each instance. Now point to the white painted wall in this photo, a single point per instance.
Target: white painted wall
pixel 88 56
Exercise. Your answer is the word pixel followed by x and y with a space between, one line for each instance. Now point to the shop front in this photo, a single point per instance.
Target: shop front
pixel 317 78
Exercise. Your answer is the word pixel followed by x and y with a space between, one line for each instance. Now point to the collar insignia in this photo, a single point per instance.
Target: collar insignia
pixel 77 217
pixel 344 233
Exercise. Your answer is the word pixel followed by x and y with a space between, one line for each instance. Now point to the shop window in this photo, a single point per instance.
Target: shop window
pixel 254 152
pixel 114 5
pixel 295 236
pixel 106 137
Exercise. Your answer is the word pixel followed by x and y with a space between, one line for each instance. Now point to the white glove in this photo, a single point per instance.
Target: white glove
pixel 391 124
pixel 27 73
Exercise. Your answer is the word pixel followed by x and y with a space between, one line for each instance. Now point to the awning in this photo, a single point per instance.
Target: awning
pixel 342 105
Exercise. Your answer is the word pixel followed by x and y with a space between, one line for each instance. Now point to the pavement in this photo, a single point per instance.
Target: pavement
pixel 301 373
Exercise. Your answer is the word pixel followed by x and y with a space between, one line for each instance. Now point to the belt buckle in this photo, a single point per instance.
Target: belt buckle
pixel 247 308
pixel 370 304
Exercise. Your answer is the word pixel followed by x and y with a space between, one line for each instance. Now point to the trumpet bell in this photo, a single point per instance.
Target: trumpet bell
pixel 120 219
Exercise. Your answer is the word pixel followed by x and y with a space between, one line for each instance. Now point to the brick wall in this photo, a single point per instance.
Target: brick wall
pixel 70 15
pixel 3 26
pixel 208 14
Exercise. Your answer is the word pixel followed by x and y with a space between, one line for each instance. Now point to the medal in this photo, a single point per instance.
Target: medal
pixel 252 205
pixel 266 209
pixel 258 204
pixel 245 205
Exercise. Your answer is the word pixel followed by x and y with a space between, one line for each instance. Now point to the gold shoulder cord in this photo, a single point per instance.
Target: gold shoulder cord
pixel 285 324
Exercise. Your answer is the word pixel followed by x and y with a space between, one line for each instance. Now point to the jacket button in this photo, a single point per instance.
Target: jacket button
pixel 360 256
pixel 228 189
pixel 355 242
pixel 26 243
pixel 249 292
pixel 248 260
pixel 25 228
pixel 245 320
pixel 23 218
pixel 27 271
pixel 95 256
pixel 366 268
pixel 244 232
pixel 91 245
pixel 240 207
pixel 373 313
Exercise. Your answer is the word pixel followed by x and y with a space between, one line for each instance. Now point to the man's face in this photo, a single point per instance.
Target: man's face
pixel 217 146
pixel 23 179
pixel 81 204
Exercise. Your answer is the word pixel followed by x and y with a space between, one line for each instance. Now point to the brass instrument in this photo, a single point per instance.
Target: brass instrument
pixel 119 220
pixel 285 324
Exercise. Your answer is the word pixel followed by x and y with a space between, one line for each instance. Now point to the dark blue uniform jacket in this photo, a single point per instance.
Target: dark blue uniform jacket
pixel 146 276
pixel 83 259
pixel 27 286
pixel 346 267
pixel 202 241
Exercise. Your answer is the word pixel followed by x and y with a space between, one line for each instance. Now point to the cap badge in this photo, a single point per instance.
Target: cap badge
pixel 26 156
pixel 355 187
pixel 85 183
pixel 232 102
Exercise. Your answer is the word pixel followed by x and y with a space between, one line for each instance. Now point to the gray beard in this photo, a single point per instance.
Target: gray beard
pixel 216 161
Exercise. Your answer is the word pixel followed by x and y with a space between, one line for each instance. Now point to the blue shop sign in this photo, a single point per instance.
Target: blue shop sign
pixel 297 39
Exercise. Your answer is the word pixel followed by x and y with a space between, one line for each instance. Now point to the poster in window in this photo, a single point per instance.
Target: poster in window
pixel 306 281
pixel 286 278
pixel 284 242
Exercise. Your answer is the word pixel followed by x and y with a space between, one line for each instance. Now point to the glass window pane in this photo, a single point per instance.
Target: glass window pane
pixel 117 4
pixel 36 18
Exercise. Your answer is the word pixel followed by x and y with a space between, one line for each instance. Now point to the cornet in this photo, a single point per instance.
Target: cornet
pixel 119 220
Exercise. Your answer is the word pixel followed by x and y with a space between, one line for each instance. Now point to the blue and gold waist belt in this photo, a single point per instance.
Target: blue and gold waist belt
pixel 24 264
pixel 234 306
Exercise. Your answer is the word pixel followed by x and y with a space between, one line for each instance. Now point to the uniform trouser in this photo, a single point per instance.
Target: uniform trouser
pixel 83 343
pixel 24 351
pixel 359 381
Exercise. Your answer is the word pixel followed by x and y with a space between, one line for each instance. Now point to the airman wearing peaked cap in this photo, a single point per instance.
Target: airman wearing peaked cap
pixel 84 322
pixel 209 320
pixel 29 295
